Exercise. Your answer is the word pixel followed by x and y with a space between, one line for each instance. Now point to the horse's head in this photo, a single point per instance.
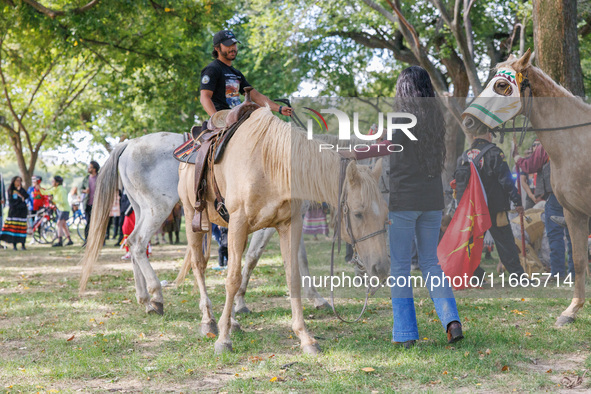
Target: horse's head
pixel 501 100
pixel 366 214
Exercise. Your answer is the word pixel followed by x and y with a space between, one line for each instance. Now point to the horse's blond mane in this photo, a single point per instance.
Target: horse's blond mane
pixel 297 165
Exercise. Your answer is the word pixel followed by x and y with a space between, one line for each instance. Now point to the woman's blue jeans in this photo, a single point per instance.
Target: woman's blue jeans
pixel 425 225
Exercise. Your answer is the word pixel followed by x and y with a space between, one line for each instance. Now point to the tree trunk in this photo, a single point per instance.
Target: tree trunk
pixel 556 42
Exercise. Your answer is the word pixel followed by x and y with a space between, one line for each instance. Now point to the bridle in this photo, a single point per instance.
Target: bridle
pixel 523 80
pixel 344 213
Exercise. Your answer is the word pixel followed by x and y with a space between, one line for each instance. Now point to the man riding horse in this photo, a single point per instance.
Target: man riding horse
pixel 222 84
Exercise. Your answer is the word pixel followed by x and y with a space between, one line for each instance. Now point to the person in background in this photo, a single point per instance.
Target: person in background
pixel 539 163
pixel 2 198
pixel 124 205
pixel 315 221
pixel 74 198
pixel 128 226
pixel 220 234
pixel 114 216
pixel 88 187
pixel 36 198
pixel 14 230
pixel 500 189
pixel 60 199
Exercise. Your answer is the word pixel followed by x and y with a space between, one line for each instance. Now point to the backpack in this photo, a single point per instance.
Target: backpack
pixel 462 173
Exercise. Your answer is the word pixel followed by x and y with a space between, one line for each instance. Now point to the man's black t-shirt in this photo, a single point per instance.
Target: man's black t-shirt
pixel 225 82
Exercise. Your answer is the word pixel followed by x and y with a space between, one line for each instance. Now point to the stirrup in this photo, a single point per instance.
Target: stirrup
pixel 200 222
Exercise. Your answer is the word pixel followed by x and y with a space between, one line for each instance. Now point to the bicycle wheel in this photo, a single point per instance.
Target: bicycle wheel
pixel 48 232
pixel 37 236
pixel 80 226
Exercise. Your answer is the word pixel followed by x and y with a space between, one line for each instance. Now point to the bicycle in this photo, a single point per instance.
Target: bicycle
pixel 77 221
pixel 43 229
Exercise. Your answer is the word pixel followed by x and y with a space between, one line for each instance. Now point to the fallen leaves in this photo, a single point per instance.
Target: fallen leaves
pixel 71 338
pixel 570 382
pixel 210 335
pixel 368 369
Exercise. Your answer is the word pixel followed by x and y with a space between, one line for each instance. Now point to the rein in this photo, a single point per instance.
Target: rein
pixel 343 212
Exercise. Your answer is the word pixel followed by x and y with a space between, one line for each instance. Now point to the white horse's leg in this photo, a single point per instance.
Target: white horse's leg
pixel 258 243
pixel 138 243
pixel 237 237
pixel 141 291
pixel 310 292
pixel 290 235
pixel 149 174
pixel 578 229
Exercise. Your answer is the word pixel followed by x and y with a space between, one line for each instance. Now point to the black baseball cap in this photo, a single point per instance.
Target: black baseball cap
pixel 225 37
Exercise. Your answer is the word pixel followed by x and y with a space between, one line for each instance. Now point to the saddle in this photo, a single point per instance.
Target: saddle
pixel 209 143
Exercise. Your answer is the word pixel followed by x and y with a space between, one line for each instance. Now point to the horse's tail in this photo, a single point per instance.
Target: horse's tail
pixel 107 184
pixel 187 263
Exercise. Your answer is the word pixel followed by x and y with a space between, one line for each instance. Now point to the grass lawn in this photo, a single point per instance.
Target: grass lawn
pixel 53 340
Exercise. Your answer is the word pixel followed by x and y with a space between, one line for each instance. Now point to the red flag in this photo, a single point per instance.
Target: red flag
pixel 460 249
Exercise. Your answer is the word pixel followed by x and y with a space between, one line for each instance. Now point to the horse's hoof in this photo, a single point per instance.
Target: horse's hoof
pixel 156 307
pixel 222 347
pixel 564 320
pixel 243 310
pixel 235 327
pixel 209 328
pixel 313 349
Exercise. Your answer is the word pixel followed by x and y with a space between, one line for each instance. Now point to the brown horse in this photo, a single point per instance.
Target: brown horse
pixel 267 170
pixel 552 106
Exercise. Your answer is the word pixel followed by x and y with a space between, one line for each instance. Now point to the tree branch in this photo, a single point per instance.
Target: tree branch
pixel 408 26
pixel 53 13
pixel 37 89
pixel 400 52
pixel 66 103
pixel 10 129
pixel 86 7
pixel 462 43
pixel 126 49
pixel 8 100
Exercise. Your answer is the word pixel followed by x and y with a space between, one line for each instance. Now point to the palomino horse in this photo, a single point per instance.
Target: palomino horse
pixel 261 238
pixel 552 107
pixel 266 171
pixel 138 165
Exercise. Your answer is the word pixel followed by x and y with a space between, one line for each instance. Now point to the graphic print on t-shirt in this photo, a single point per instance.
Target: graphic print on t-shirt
pixel 232 91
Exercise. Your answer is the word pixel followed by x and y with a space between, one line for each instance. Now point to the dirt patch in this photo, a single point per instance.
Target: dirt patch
pixel 563 371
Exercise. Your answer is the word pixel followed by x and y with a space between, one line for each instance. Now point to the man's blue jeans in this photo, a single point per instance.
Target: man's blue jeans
pixel 556 235
pixel 426 225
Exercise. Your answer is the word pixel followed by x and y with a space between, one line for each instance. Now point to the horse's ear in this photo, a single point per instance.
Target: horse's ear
pixel 353 176
pixel 376 172
pixel 511 57
pixel 523 62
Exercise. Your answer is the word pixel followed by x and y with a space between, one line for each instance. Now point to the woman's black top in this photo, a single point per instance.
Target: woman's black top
pixel 410 188
pixel 17 207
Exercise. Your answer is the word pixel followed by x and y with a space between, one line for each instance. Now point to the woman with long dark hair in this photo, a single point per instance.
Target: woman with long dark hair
pixel 416 204
pixel 14 230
